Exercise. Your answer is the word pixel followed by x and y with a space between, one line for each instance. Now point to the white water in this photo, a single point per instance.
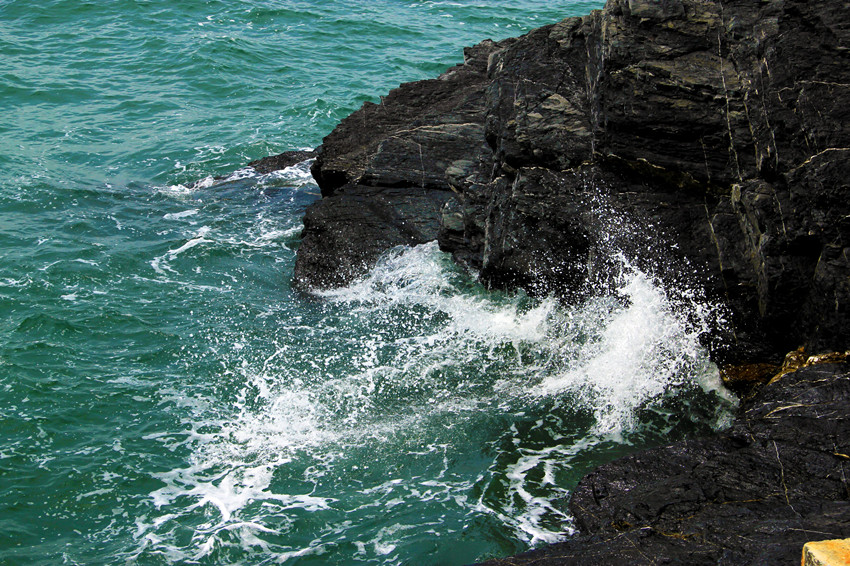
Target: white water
pixel 639 348
pixel 414 360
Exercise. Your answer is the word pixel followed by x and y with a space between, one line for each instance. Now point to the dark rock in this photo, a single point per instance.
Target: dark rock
pixel 382 172
pixel 778 478
pixel 540 211
pixel 538 103
pixel 719 128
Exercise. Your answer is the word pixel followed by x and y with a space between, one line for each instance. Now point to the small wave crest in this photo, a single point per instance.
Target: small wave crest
pixel 297 175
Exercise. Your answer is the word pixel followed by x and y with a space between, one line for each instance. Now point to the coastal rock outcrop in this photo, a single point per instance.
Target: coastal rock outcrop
pixel 705 140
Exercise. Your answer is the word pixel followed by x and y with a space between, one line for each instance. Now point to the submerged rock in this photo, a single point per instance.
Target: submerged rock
pixel 262 166
pixel 780 477
pixel 281 161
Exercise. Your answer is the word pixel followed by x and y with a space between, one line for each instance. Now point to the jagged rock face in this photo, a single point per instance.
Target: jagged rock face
pixel 715 132
pixel 753 495
pixel 382 172
pixel 539 100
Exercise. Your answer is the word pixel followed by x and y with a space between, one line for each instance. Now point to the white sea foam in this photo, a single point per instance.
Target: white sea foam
pixel 429 352
pixel 298 174
pixel 639 347
pixel 266 231
pixel 179 215
pixel 181 191
pixel 10 282
pixel 535 510
pixel 418 277
pixel 196 240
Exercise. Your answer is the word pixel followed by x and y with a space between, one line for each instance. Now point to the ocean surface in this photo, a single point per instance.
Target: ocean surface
pixel 166 398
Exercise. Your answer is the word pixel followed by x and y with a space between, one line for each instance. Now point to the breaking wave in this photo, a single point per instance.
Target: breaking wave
pixel 414 393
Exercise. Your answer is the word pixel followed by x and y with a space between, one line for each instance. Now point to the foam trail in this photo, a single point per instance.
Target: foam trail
pixel 160 264
pixel 196 240
pixel 179 215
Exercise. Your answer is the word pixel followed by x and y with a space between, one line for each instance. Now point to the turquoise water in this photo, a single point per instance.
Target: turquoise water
pixel 166 398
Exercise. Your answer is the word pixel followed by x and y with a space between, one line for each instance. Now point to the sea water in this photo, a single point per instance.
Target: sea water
pixel 167 398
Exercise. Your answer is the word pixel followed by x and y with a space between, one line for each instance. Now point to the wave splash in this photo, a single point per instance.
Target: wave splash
pixel 413 405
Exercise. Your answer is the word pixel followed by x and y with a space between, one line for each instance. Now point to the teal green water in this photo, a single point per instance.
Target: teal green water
pixel 165 398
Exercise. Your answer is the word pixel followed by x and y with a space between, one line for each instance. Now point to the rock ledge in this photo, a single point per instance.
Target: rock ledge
pixel 755 494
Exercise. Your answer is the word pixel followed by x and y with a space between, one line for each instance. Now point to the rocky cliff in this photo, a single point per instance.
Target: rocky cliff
pixel 707 141
pixel 710 134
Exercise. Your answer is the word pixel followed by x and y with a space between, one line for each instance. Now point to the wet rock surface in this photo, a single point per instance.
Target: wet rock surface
pixel 281 161
pixel 780 477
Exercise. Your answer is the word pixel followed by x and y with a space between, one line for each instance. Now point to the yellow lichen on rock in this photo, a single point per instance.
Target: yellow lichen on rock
pixel 827 553
pixel 797 359
pixel 744 378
